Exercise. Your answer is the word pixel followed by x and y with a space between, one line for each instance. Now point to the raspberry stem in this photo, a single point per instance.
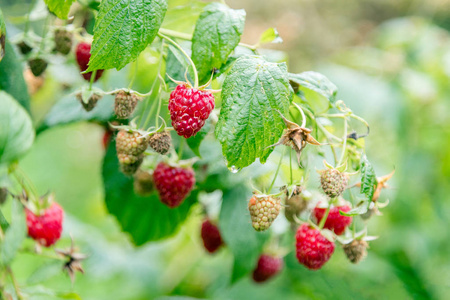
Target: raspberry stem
pixel 276 172
pixel 324 218
pixel 290 166
pixel 344 145
pixel 93 74
pixel 185 54
pixel 14 282
pixel 188 37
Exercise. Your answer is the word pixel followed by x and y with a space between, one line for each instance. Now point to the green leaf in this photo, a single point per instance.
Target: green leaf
pixel 3 223
pixel 16 134
pixel 358 210
pixel 270 36
pixel 368 178
pixel 2 36
pixel 59 7
pixel 234 221
pixel 123 29
pixel 69 110
pixel 144 218
pixel 15 234
pixel 11 77
pixel 217 32
pixel 315 82
pixel 177 65
pixel 253 92
pixel 195 141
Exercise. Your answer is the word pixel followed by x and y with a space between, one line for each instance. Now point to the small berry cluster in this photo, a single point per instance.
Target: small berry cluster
pixel 130 148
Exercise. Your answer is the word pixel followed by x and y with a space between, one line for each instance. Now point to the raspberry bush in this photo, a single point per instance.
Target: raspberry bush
pixel 213 114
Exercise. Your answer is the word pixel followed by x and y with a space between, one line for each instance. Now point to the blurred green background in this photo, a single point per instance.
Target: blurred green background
pixel 391 63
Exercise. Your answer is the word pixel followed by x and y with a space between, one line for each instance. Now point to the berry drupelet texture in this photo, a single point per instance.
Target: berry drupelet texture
pixel 189 108
pixel 45 228
pixel 313 249
pixel 173 183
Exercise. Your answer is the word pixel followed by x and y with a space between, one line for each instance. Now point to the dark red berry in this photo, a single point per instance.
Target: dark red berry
pixel 189 108
pixel 83 54
pixel 313 249
pixel 106 138
pixel 267 267
pixel 173 183
pixel 211 237
pixel 335 221
pixel 46 228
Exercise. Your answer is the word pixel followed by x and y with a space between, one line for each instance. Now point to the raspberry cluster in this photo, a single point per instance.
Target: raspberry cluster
pixel 130 147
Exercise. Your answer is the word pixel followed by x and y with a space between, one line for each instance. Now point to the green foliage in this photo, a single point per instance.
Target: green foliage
pixel 11 77
pixel 315 89
pixel 144 218
pixel 17 134
pixel 15 234
pixel 270 36
pixel 195 141
pixel 122 31
pixel 59 7
pixel 68 110
pixel 217 32
pixel 244 242
pixel 368 178
pixel 177 65
pixel 2 36
pixel 253 94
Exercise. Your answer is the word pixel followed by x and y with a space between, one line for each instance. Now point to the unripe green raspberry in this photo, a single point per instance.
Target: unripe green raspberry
pixel 124 104
pixel 130 144
pixel 130 169
pixel 91 103
pixel 295 204
pixel 356 251
pixel 63 41
pixel 263 211
pixel 333 182
pixel 160 142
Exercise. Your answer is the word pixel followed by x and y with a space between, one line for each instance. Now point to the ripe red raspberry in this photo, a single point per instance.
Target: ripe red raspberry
pixel 83 54
pixel 267 267
pixel 189 108
pixel 211 237
pixel 106 138
pixel 335 221
pixel 173 183
pixel 46 228
pixel 313 249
